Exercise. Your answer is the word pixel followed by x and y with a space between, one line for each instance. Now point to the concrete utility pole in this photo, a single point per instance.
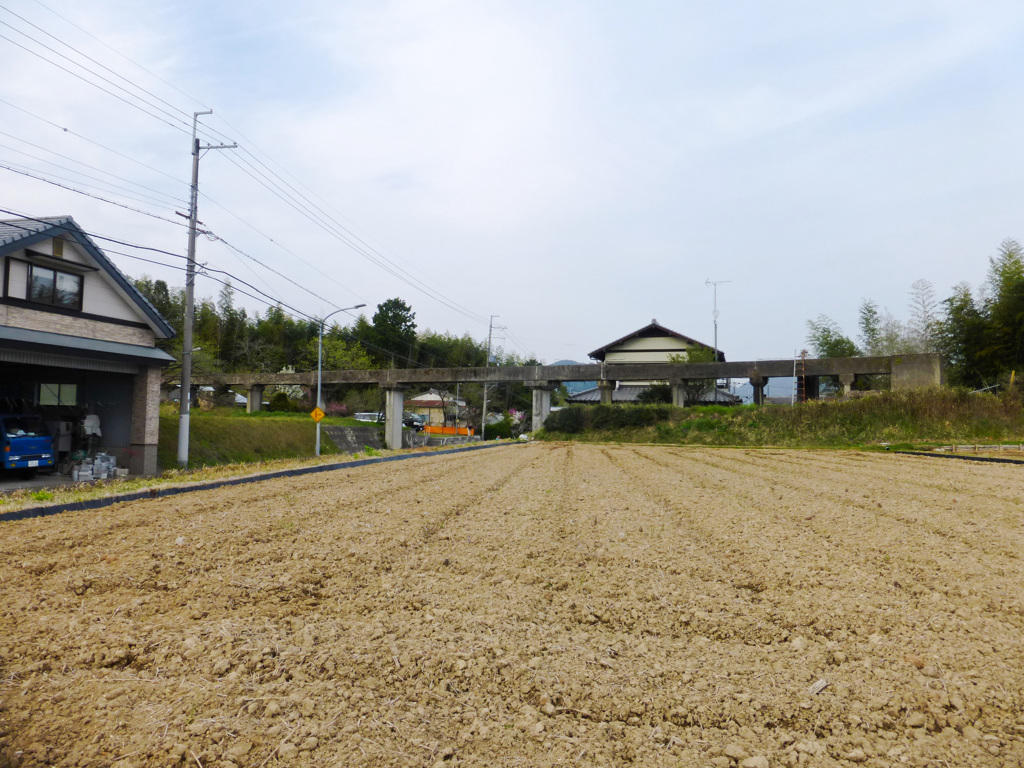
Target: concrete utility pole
pixel 714 284
pixel 487 362
pixel 190 280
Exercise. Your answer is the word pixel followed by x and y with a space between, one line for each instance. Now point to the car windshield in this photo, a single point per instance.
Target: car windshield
pixel 24 426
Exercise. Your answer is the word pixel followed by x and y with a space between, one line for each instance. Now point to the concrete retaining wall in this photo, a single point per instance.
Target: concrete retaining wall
pixel 358 439
pixel 453 439
pixel 355 439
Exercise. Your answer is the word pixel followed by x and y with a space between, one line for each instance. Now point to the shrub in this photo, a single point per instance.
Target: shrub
pixel 655 394
pixel 499 430
pixel 279 402
pixel 575 418
pixel 579 418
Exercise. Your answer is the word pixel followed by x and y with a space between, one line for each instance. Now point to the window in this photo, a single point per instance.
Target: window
pixel 58 394
pixel 49 286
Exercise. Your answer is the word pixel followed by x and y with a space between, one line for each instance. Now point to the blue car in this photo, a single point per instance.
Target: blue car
pixel 25 444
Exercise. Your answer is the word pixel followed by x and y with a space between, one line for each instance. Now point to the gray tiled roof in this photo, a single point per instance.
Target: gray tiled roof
pixel 623 394
pixel 17 229
pixel 628 393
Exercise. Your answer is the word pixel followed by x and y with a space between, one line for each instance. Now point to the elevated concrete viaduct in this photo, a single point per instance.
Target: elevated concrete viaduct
pixel 906 372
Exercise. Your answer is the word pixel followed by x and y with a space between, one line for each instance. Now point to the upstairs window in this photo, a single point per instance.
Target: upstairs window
pixel 51 286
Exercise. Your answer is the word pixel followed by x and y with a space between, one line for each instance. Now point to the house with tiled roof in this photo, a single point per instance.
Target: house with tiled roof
pixel 77 339
pixel 653 343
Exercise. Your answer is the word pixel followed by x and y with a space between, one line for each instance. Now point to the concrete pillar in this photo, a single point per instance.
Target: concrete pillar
pixel 916 371
pixel 145 425
pixel 394 402
pixel 678 392
pixel 541 402
pixel 254 399
pixel 758 383
pixel 846 381
pixel 606 388
pixel 812 387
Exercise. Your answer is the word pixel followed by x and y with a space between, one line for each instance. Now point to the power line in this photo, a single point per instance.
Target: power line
pixel 344 236
pixel 417 283
pixel 169 198
pixel 301 203
pixel 85 56
pixel 205 271
pixel 114 50
pixel 90 82
pixel 93 142
pixel 89 194
pixel 103 186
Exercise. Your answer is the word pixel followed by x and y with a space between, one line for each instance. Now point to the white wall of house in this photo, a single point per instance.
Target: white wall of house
pixel 100 296
pixel 646 349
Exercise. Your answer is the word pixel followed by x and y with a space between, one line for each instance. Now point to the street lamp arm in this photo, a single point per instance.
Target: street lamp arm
pixel 345 309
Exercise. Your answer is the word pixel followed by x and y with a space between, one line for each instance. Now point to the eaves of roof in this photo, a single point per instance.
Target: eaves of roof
pixel 77 346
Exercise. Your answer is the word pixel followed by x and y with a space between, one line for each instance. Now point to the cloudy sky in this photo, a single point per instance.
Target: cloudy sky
pixel 575 168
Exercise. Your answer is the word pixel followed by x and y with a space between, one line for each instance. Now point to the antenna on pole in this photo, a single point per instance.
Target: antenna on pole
pixel 714 284
pixel 190 281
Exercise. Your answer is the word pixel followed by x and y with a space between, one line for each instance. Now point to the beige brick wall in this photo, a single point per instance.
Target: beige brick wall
pixel 146 406
pixel 19 317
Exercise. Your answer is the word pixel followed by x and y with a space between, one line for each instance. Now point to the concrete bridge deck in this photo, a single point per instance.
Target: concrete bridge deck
pixel 906 371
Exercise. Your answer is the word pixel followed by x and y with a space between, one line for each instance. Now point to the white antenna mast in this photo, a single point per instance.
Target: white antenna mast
pixel 714 284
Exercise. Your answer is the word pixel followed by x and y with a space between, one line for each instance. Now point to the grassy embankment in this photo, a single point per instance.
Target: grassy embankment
pixel 921 418
pixel 232 436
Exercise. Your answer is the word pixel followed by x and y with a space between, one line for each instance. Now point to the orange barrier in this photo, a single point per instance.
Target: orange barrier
pixel 433 430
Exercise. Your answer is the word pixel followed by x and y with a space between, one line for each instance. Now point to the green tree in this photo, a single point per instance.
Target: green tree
pixel 1003 349
pixel 694 390
pixel 922 324
pixel 338 355
pixel 870 327
pixel 393 333
pixel 826 339
pixel 959 335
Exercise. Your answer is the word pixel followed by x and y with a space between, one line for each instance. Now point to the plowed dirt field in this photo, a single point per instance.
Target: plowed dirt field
pixel 530 605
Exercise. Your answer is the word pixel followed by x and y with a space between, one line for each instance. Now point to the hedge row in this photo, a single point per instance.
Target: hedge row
pixel 578 418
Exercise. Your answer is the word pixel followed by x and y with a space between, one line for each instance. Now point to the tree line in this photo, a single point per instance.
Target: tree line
pixel 229 339
pixel 979 334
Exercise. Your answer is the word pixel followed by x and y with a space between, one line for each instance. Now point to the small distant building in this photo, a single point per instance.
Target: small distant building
pixel 439 407
pixel 654 343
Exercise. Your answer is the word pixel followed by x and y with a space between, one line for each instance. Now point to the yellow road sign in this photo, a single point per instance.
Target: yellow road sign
pixel 317 414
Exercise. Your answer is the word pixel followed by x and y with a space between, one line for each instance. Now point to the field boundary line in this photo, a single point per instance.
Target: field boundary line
pixel 174 490
pixel 989 459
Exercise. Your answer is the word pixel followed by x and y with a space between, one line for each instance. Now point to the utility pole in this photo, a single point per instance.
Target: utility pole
pixel 487 362
pixel 714 284
pixel 190 280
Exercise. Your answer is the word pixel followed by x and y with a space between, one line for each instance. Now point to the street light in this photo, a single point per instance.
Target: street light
pixel 320 366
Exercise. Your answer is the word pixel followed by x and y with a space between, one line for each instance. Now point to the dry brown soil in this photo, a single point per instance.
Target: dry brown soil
pixel 529 605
